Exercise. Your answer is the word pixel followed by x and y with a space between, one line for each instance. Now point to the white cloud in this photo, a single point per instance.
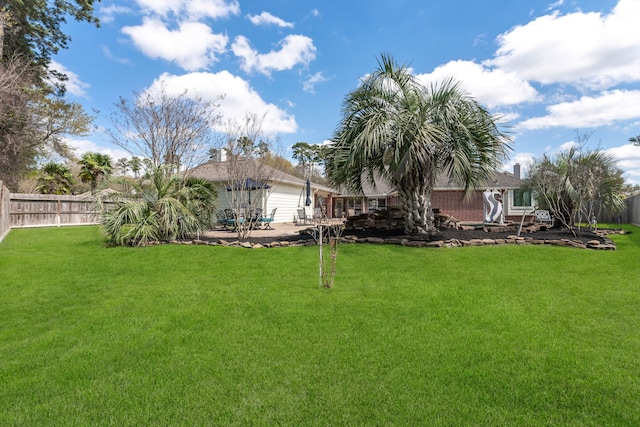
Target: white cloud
pixel 74 85
pixel 81 146
pixel 524 159
pixel 566 146
pixel 628 158
pixel 265 18
pixel 239 98
pixel 107 14
pixel 593 50
pixel 507 118
pixel 589 112
pixel 490 87
pixel 194 9
pixel 193 46
pixel 555 5
pixel 294 49
pixel 108 54
pixel 312 80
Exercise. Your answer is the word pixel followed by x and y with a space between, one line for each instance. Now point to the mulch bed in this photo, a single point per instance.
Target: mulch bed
pixel 537 233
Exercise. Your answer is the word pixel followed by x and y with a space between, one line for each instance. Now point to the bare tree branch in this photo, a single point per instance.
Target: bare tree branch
pixel 249 178
pixel 174 131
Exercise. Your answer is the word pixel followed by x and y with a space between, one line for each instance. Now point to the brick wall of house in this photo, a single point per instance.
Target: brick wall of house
pixel 453 203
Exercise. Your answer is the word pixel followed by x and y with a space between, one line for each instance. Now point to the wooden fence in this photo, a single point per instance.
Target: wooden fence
pixel 633 209
pixel 46 210
pixel 5 221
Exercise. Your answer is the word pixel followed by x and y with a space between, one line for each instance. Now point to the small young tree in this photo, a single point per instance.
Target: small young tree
pixel 248 176
pixel 173 131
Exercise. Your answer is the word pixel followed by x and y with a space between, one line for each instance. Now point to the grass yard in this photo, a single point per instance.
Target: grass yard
pixel 196 335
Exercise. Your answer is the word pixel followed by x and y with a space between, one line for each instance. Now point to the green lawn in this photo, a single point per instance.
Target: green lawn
pixel 196 335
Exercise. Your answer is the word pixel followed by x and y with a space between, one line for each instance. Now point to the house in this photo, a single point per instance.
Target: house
pixel 378 197
pixel 276 189
pixel 447 198
pixel 287 193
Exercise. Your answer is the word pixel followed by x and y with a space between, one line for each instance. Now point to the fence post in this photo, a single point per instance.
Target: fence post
pixel 5 220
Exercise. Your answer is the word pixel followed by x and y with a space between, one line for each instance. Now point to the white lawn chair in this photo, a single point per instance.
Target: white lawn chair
pixel 543 217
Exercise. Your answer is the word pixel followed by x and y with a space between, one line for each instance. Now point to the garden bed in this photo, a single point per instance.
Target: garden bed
pixel 446 237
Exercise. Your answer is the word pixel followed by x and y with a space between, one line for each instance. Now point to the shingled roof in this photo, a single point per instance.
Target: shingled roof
pixel 217 171
pixel 502 180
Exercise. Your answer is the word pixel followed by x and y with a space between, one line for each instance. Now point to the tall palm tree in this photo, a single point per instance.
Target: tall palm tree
pixel 55 178
pixel 395 128
pixel 94 166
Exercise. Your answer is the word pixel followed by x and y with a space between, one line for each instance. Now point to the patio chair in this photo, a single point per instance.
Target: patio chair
pixel 268 219
pixel 319 214
pixel 543 217
pixel 254 217
pixel 221 219
pixel 233 219
pixel 303 217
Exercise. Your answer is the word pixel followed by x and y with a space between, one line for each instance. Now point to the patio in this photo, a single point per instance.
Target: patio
pixel 282 231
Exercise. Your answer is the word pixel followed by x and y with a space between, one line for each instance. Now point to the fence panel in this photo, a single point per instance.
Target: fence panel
pixel 46 210
pixel 5 220
pixel 633 209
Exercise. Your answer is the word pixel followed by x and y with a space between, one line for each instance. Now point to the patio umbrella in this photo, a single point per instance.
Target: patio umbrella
pixel 248 184
pixel 308 190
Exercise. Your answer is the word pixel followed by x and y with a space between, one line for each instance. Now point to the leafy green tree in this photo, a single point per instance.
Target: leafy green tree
pixel 33 116
pixel 32 126
pixel 310 157
pixel 135 165
pixel 94 167
pixel 396 129
pixel 55 178
pixel 123 165
pixel 32 29
pixel 162 208
pixel 635 140
pixel 302 152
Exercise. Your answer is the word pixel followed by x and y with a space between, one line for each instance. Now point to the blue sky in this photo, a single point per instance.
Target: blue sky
pixel 550 68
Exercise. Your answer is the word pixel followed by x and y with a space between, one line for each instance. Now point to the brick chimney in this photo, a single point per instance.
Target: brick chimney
pixel 516 170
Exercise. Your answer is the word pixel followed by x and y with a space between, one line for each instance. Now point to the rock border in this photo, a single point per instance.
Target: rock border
pixel 604 244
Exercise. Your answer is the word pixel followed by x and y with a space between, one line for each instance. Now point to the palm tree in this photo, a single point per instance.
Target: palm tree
pixel 94 166
pixel 577 185
pixel 396 129
pixel 55 178
pixel 162 208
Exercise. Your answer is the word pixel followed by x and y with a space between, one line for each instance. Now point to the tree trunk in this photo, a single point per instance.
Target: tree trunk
pixel 418 215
